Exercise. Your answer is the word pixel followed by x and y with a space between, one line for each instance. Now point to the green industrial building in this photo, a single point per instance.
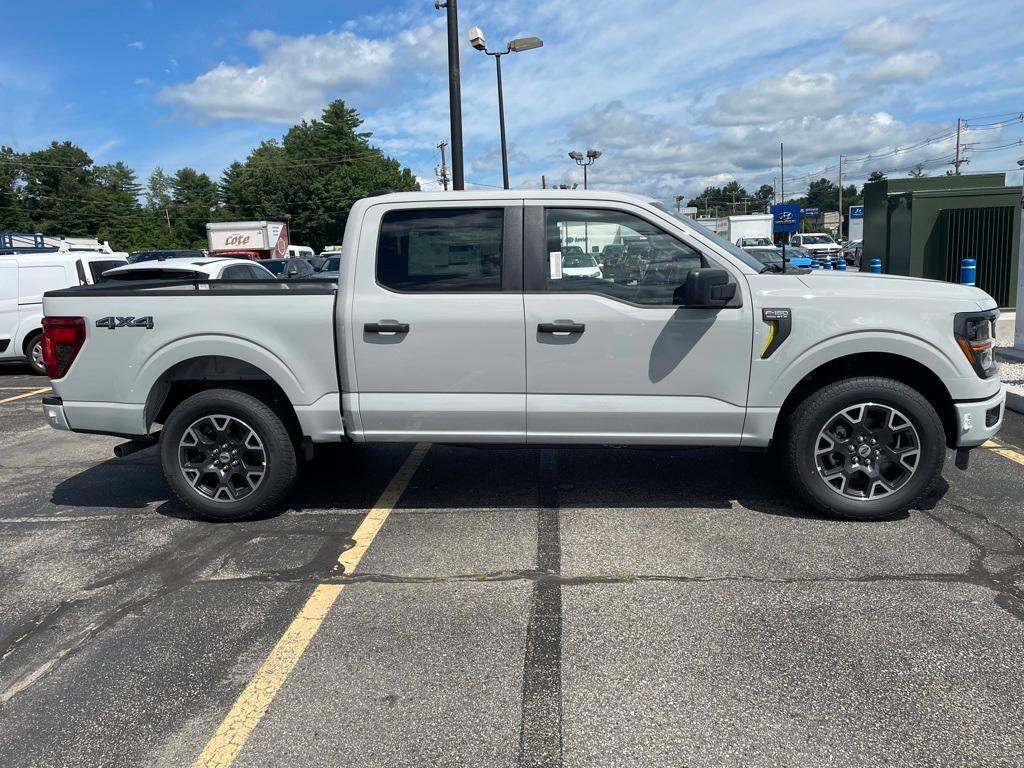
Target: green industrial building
pixel 923 227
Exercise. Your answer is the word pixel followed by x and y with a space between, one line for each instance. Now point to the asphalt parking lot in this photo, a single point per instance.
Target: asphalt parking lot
pixel 517 607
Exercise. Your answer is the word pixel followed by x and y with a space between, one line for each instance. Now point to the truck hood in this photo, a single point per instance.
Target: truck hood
pixel 844 284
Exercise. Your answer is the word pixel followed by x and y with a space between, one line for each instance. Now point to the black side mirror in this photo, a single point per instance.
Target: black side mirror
pixel 708 288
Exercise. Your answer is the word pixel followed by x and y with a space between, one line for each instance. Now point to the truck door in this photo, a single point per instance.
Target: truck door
pixel 612 355
pixel 437 323
pixel 8 306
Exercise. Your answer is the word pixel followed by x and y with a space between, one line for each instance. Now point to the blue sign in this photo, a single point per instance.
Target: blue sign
pixel 785 217
pixel 811 212
pixel 856 211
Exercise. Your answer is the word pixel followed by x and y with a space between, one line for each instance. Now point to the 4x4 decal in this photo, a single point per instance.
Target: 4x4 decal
pixel 126 322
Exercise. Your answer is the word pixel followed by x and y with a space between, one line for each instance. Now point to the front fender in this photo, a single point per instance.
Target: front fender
pixel 772 383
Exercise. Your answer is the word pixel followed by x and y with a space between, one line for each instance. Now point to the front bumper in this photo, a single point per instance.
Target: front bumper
pixel 978 420
pixel 53 410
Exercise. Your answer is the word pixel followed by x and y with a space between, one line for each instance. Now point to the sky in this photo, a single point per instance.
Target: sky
pixel 677 95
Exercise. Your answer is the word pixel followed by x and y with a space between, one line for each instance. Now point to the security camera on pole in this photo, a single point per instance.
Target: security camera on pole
pixel 476 39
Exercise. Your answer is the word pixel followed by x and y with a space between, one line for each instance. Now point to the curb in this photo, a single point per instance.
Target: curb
pixel 1015 402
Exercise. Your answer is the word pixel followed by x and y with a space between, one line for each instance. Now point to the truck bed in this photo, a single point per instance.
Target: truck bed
pixel 284 330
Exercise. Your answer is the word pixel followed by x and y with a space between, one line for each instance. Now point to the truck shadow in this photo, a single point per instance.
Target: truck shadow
pixel 349 479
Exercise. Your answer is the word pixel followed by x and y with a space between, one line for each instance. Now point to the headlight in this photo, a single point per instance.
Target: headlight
pixel 975 333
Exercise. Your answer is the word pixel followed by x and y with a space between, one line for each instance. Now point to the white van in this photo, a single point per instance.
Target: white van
pixel 24 278
pixel 300 252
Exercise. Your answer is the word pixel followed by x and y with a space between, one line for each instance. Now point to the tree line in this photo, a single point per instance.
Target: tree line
pixel 309 178
pixel 732 198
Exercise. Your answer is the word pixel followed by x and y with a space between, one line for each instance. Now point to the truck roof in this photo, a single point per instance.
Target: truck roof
pixel 503 194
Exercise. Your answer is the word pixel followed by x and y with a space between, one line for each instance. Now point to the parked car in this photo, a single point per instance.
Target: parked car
pixel 24 278
pixel 208 268
pixel 756 244
pixel 579 264
pixel 330 265
pixel 172 253
pixel 820 244
pixel 289 269
pixel 852 251
pixel 860 382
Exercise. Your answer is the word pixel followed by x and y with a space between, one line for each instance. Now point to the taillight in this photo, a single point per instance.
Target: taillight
pixel 62 338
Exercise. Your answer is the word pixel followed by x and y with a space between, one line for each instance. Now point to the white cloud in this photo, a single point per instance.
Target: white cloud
pixel 778 97
pixel 915 66
pixel 142 81
pixel 137 45
pixel 884 36
pixel 296 76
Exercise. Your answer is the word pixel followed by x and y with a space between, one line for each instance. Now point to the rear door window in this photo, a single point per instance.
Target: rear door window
pixel 441 250
pixel 97 268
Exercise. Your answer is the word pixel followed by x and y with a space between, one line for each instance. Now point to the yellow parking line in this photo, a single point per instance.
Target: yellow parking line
pixel 1006 453
pixel 33 393
pixel 254 701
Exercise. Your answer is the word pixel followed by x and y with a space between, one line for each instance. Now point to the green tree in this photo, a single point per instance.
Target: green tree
pixel 823 194
pixel 876 176
pixel 194 201
pixel 13 215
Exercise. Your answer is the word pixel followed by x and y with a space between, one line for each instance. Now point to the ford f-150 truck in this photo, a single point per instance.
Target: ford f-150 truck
pixel 455 320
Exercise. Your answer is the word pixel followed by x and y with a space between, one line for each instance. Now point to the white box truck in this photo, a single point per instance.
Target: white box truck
pixel 754 225
pixel 248 239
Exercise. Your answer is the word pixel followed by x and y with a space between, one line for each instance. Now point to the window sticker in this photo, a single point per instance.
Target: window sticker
pixel 555 259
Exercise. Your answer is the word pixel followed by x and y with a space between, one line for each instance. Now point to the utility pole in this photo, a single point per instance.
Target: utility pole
pixel 840 197
pixel 782 167
pixel 444 166
pixel 543 182
pixel 679 203
pixel 775 189
pixel 454 90
pixel 958 161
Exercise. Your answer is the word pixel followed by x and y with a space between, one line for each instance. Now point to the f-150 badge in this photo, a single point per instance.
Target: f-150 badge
pixel 125 322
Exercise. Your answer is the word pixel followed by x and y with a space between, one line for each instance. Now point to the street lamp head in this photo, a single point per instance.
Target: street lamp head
pixel 576 155
pixel 525 44
pixel 593 154
pixel 1021 162
pixel 476 38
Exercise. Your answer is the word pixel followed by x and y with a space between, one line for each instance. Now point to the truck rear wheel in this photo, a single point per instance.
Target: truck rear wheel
pixel 227 455
pixel 864 448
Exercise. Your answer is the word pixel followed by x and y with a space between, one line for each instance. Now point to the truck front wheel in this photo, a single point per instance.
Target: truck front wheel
pixel 227 455
pixel 864 448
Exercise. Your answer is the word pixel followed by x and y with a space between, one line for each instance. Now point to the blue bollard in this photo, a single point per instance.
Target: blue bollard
pixel 841 265
pixel 815 264
pixel 828 264
pixel 875 266
pixel 968 271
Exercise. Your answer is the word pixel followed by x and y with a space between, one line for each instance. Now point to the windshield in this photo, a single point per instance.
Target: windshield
pixel 767 257
pixel 817 240
pixel 277 267
pixel 332 264
pixel 721 242
pixel 755 242
pixel 572 260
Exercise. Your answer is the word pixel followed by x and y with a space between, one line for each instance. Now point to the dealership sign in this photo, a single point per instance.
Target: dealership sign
pixel 811 212
pixel 785 217
pixel 856 211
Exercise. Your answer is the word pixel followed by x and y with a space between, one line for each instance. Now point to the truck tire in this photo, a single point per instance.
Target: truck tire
pixel 864 448
pixel 227 455
pixel 34 353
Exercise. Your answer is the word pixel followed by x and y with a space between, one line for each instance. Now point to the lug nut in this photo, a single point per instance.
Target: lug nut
pixel 851 449
pixel 873 441
pixel 860 438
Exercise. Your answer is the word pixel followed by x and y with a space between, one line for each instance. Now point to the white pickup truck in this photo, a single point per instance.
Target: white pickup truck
pixel 454 320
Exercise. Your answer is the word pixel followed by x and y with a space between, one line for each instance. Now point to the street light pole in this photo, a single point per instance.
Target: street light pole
pixel 476 39
pixel 454 90
pixel 591 156
pixel 501 122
